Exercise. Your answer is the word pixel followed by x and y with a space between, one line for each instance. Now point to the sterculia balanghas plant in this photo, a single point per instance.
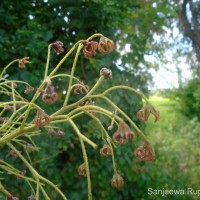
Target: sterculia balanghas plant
pixel 18 124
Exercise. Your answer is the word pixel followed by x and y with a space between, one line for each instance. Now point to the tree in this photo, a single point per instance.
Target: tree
pixel 29 25
pixel 189 19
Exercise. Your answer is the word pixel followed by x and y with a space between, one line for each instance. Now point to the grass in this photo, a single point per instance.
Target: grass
pixel 169 112
pixel 176 142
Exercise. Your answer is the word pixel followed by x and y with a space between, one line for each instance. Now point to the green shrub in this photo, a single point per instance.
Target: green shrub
pixel 190 98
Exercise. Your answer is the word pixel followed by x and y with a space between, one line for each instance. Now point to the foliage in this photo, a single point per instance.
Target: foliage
pixel 28 26
pixel 190 98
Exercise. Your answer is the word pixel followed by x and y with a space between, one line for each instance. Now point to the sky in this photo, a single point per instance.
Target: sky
pixel 167 77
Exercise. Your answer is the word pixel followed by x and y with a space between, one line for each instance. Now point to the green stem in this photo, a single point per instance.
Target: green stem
pixel 68 53
pixel 33 191
pixel 84 138
pixel 64 75
pixel 102 128
pixel 8 194
pixel 85 159
pixel 108 140
pixel 79 85
pixel 15 122
pixel 15 134
pixel 126 116
pixel 16 173
pixel 95 35
pixel 11 119
pixel 14 81
pixel 34 172
pixel 64 58
pixel 48 59
pixel 127 88
pixel 13 96
pixel 38 188
pixel 44 193
pixel 93 108
pixel 3 110
pixel 4 90
pixel 72 74
pixel 31 104
pixel 87 96
pixel 5 68
pixel 87 168
pixel 53 186
pixel 97 84
pixel 113 157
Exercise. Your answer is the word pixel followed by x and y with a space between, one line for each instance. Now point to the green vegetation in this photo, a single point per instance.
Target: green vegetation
pixel 177 150
pixel 189 98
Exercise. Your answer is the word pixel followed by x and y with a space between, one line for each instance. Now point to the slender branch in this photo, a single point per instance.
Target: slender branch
pixel 48 59
pixel 127 88
pixel 53 186
pixel 84 138
pixel 87 96
pixel 100 125
pixel 15 81
pixel 5 68
pixel 95 87
pixel 72 74
pixel 85 159
pixel 64 58
pixel 8 194
pixel 126 116
pixel 34 172
pixel 38 188
pixel 87 168
pixel 108 140
pixel 7 124
pixel 44 193
pixel 64 75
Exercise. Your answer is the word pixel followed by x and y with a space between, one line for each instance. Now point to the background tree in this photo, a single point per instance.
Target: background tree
pixel 189 19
